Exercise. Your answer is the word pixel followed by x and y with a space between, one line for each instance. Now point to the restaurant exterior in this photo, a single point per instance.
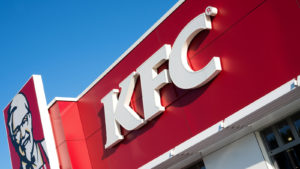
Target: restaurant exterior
pixel 213 84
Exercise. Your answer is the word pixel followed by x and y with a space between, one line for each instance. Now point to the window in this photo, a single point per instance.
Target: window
pixel 283 142
pixel 197 165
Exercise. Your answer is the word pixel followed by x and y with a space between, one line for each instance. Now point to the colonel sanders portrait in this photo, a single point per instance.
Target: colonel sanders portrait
pixel 31 152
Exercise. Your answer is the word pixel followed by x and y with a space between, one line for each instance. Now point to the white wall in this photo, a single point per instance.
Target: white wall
pixel 241 154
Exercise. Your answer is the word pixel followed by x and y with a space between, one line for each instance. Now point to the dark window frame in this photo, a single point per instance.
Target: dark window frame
pixel 283 146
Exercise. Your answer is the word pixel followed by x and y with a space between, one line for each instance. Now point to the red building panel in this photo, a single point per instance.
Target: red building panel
pixel 257 42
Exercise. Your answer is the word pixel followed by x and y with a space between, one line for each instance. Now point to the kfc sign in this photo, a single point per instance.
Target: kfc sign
pixel 29 131
pixel 116 104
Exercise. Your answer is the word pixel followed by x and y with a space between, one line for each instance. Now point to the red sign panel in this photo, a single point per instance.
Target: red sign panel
pixel 257 42
pixel 24 128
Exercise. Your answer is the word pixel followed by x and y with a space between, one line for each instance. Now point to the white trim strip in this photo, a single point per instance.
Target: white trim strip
pixel 235 117
pixel 198 138
pixel 45 120
pixel 184 146
pixel 132 47
pixel 259 103
pixel 169 12
pixel 157 161
pixel 68 99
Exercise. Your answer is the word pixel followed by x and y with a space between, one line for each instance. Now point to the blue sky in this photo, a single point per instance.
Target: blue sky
pixel 69 43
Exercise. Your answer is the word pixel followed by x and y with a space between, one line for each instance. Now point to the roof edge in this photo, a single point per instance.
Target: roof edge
pixel 68 99
pixel 170 11
pixel 153 27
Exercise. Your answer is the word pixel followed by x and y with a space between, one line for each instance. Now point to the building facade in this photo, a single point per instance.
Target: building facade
pixel 243 58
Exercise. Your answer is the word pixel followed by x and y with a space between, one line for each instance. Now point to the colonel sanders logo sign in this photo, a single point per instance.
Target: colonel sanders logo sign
pixel 26 139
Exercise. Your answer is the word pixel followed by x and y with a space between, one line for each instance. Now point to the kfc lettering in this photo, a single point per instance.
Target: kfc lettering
pixel 117 110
